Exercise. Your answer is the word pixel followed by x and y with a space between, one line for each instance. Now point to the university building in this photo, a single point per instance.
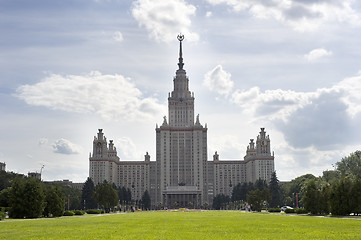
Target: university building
pixel 181 175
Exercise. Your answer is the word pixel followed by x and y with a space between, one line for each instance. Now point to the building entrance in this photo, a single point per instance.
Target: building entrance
pixel 182 197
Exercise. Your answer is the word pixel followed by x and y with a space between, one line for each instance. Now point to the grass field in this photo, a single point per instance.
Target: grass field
pixel 183 225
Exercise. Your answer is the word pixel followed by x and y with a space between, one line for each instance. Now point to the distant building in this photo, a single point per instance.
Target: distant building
pixel 181 175
pixel 2 166
pixel 68 183
pixel 34 175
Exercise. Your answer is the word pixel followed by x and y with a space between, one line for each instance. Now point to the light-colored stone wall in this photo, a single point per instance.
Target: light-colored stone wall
pixel 181 155
pixel 2 166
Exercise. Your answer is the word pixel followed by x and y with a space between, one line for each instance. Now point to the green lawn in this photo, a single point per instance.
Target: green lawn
pixel 183 225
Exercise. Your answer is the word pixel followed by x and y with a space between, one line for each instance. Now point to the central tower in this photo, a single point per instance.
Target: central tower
pixel 180 100
pixel 181 147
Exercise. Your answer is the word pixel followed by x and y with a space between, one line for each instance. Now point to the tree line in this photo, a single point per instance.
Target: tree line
pixel 106 196
pixel 25 197
pixel 336 192
pixel 256 195
pixel 28 198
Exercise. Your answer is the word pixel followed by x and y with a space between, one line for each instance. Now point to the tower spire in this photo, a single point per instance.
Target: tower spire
pixel 180 38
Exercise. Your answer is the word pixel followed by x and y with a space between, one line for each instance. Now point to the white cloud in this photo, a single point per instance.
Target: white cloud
pixel 351 97
pixel 226 145
pixel 218 80
pixel 208 14
pixel 118 36
pixel 316 54
pixel 274 104
pixel 113 97
pixel 325 119
pixel 291 162
pixel 43 141
pixel 324 123
pixel 164 20
pixel 302 15
pixel 64 146
pixel 280 104
pixel 126 149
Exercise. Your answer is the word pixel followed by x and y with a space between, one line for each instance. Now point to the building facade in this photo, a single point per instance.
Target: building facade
pixel 181 176
pixel 34 175
pixel 2 166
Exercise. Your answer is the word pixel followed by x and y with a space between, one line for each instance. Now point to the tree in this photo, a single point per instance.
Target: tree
pixel 311 198
pixel 6 179
pixel 356 197
pixel 296 188
pixel 4 197
pixel 26 198
pixel 340 197
pixel 275 191
pixel 124 195
pixel 17 209
pixel 220 201
pixel 106 196
pixel 240 191
pixel 324 201
pixel 330 176
pixel 236 192
pixel 146 202
pixel 128 196
pixel 55 200
pixel 350 166
pixel 73 197
pixel 34 198
pixel 87 195
pixel 260 184
pixel 258 198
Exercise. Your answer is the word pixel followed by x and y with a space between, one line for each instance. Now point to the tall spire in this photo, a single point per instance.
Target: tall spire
pixel 180 38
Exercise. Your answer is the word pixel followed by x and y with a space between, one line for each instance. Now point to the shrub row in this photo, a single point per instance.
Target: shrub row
pixel 290 210
pixel 79 212
pixel 301 211
pixel 274 210
pixel 68 213
pixel 94 211
pixel 297 210
pixel 2 215
pixel 3 211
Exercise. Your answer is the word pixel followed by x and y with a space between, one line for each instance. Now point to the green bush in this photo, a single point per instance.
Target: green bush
pixel 2 215
pixel 68 213
pixel 301 211
pixel 288 210
pixel 274 210
pixel 93 211
pixel 79 212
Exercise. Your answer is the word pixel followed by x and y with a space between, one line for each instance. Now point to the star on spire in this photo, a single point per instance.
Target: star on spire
pixel 180 38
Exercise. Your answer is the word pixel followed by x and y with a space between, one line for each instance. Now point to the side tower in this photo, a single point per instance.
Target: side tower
pixel 104 164
pixel 181 148
pixel 103 161
pixel 259 160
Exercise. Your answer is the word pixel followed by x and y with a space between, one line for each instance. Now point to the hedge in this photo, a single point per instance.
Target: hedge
pixel 94 211
pixel 274 210
pixel 290 210
pixel 301 211
pixel 79 212
pixel 68 213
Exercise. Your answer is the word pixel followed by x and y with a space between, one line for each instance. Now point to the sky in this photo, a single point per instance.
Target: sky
pixel 71 67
